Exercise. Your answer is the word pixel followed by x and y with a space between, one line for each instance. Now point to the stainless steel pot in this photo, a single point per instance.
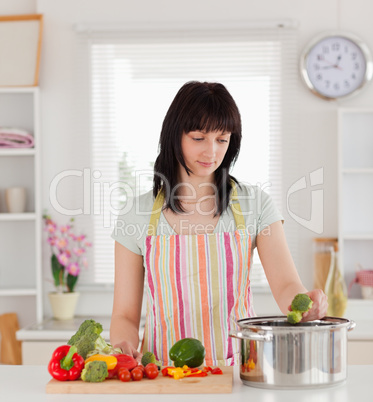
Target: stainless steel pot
pixel 276 354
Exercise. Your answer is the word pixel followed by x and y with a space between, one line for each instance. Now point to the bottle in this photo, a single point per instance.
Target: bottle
pixel 335 286
pixel 322 257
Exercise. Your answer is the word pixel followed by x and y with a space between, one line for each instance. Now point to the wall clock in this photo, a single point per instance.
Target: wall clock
pixel 336 65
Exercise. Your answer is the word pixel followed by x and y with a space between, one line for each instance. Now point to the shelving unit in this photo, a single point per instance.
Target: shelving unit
pixel 20 233
pixel 355 132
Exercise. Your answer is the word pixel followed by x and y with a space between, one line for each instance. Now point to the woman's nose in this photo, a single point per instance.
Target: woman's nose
pixel 210 149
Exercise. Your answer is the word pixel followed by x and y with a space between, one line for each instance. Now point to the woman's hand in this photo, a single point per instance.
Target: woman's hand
pixel 319 306
pixel 128 349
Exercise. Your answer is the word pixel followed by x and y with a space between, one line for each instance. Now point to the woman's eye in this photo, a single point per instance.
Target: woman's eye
pixel 222 141
pixel 197 139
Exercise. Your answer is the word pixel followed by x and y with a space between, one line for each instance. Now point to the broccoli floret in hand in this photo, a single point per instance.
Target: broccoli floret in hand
pixel 95 371
pixel 294 317
pixel 300 304
pixel 88 340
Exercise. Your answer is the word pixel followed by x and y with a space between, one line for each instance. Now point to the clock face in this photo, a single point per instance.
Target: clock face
pixel 335 67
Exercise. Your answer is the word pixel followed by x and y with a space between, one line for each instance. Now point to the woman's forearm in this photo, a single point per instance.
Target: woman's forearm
pixel 123 330
pixel 287 294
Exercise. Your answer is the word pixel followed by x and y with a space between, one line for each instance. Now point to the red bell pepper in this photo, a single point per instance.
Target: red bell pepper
pixel 66 364
pixel 165 372
pixel 125 361
pixel 216 370
pixel 202 374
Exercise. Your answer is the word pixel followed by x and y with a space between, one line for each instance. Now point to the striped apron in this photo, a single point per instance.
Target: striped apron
pixel 197 287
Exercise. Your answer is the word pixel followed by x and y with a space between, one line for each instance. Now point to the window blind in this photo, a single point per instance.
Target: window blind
pixel 128 79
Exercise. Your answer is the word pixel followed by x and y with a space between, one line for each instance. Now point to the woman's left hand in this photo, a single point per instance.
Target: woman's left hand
pixel 319 306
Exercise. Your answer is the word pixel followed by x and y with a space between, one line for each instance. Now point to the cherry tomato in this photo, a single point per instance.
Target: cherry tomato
pixel 141 367
pixel 151 371
pixel 124 374
pixel 137 374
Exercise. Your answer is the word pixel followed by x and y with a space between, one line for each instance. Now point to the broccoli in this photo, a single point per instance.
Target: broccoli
pixel 294 317
pixel 300 304
pixel 149 357
pixel 95 371
pixel 88 340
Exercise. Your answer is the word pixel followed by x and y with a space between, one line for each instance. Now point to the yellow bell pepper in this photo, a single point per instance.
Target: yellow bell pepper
pixel 176 373
pixel 110 360
pixel 251 364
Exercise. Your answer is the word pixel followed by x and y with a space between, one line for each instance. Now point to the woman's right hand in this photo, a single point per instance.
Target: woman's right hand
pixel 128 349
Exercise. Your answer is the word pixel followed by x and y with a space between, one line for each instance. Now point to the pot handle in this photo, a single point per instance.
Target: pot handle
pixel 252 336
pixel 351 326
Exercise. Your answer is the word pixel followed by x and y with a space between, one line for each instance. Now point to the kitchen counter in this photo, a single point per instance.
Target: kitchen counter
pixel 19 383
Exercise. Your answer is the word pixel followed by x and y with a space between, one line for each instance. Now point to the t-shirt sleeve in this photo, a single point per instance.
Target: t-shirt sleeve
pixel 124 236
pixel 268 212
pixel 130 227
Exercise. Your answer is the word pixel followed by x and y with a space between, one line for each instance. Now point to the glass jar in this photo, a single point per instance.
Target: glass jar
pixel 322 247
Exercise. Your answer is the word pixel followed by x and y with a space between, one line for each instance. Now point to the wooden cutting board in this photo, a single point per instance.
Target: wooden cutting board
pixel 212 384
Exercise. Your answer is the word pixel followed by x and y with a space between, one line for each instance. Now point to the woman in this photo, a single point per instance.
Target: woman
pixel 192 238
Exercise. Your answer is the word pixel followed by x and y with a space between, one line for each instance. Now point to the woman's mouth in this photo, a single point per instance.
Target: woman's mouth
pixel 205 164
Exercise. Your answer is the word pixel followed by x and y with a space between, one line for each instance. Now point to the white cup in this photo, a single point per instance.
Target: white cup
pixel 15 198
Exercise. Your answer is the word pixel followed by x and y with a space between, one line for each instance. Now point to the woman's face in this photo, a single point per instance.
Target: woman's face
pixel 203 152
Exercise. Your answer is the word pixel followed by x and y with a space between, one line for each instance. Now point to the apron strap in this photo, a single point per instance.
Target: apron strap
pixel 156 213
pixel 159 201
pixel 236 208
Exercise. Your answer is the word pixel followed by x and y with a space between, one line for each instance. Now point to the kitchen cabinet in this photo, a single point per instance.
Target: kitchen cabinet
pixel 20 233
pixel 355 144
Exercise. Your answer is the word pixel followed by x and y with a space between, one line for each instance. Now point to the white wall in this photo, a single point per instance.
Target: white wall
pixel 317 118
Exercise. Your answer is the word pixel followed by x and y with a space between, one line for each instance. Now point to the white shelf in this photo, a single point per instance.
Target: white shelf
pixel 355 188
pixel 17 151
pixel 18 90
pixel 18 292
pixel 358 236
pixel 26 216
pixel 357 170
pixel 20 245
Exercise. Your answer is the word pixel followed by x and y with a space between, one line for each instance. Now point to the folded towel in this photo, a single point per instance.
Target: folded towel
pixel 15 138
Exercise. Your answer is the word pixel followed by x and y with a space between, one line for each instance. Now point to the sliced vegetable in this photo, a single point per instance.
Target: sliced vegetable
pixel 66 364
pixel 201 374
pixel 165 370
pixel 216 370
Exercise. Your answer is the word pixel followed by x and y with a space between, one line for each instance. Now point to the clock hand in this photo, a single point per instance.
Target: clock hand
pixel 338 60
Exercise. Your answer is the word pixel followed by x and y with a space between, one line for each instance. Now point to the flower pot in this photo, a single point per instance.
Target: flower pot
pixel 63 304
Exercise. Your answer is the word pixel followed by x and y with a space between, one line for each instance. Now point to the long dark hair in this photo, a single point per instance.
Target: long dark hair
pixel 198 106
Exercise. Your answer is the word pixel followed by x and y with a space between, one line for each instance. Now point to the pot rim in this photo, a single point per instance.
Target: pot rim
pixel 326 323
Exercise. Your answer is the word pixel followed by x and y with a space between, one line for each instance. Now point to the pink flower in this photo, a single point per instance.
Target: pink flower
pixel 51 227
pixel 61 243
pixel 81 237
pixel 75 238
pixel 85 262
pixel 64 229
pixel 88 244
pixel 79 251
pixel 52 241
pixel 63 259
pixel 73 269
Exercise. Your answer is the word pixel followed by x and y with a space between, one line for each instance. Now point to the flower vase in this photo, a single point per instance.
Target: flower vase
pixel 63 304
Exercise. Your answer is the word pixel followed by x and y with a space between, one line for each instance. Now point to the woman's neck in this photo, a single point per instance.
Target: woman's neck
pixel 195 187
